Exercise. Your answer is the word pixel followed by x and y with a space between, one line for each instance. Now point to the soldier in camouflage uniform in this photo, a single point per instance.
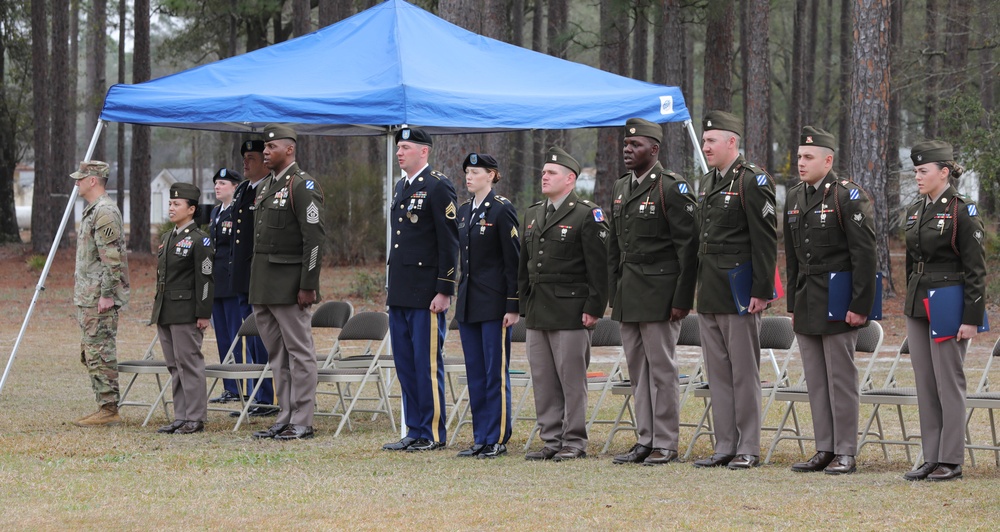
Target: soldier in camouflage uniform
pixel 101 289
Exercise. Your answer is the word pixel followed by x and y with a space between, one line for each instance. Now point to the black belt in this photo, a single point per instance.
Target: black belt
pixel 648 258
pixel 818 269
pixel 707 248
pixel 556 278
pixel 921 267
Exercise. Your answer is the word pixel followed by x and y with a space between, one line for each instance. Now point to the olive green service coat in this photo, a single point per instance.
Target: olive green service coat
pixel 563 268
pixel 184 284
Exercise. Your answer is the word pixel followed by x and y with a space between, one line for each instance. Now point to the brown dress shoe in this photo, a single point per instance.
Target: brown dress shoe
pixel 817 463
pixel 545 453
pixel 190 427
pixel 635 455
pixel 569 453
pixel 716 460
pixel 659 457
pixel 843 464
pixel 295 432
pixel 946 472
pixel 744 461
pixel 171 428
pixel 921 472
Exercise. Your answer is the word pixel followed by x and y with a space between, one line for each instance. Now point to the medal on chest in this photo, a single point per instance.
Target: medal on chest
pixel 280 197
pixel 183 247
pixel 227 228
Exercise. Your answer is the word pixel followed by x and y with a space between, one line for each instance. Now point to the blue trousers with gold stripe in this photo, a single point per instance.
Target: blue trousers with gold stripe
pixel 417 336
pixel 487 358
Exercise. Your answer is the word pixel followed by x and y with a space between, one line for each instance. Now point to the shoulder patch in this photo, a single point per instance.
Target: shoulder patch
pixel 854 194
pixel 450 211
pixel 598 214
pixel 761 179
pixel 973 211
pixel 207 242
pixel 682 188
pixel 310 184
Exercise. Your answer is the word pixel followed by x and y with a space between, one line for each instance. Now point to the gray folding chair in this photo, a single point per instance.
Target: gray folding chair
pixel 891 394
pixel 984 398
pixel 331 315
pixel 229 369
pixel 147 365
pixel 869 341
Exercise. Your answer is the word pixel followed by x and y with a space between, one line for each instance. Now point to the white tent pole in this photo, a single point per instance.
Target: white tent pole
pixel 699 156
pixel 389 137
pixel 52 255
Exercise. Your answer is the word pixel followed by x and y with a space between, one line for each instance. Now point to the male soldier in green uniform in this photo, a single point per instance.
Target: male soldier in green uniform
pixel 101 289
pixel 829 229
pixel 738 224
pixel 284 280
pixel 653 263
pixel 563 285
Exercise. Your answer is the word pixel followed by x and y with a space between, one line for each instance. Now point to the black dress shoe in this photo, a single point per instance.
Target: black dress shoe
pixel 171 428
pixel 400 445
pixel 946 472
pixel 471 451
pixel 258 411
pixel 744 461
pixel 817 463
pixel 271 432
pixel 492 451
pixel 569 453
pixel 921 472
pixel 226 397
pixel 660 457
pixel 190 427
pixel 423 444
pixel 843 464
pixel 635 455
pixel 295 432
pixel 545 453
pixel 716 460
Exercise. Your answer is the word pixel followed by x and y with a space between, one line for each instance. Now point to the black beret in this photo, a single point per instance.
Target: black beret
pixel 228 175
pixel 931 151
pixel 724 121
pixel 814 136
pixel 279 131
pixel 414 135
pixel 480 160
pixel 252 145
pixel 560 157
pixel 185 191
pixel 638 127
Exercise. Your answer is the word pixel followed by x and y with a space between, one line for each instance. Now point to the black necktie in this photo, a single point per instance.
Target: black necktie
pixel 810 190
pixel 548 212
pixel 406 184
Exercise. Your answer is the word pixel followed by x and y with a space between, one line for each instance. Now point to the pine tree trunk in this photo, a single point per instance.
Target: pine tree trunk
pixel 139 192
pixel 895 115
pixel 63 146
pixel 870 89
pixel 720 23
pixel 557 42
pixel 758 83
pixel 43 227
pixel 614 58
pixel 844 138
pixel 97 85
pixel 932 69
pixel 668 69
pixel 640 40
pixel 795 121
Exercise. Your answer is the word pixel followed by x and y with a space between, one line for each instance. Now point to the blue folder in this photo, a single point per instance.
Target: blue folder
pixel 947 305
pixel 840 295
pixel 741 282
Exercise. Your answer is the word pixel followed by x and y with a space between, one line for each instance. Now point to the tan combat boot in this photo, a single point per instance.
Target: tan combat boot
pixel 106 416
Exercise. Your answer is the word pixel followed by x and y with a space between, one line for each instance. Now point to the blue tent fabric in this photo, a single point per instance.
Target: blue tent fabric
pixel 392 64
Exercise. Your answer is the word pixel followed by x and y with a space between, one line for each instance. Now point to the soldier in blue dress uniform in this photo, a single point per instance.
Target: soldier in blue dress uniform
pixel 487 304
pixel 421 282
pixel 226 318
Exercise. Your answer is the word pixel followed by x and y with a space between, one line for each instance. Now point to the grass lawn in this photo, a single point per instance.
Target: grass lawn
pixel 54 475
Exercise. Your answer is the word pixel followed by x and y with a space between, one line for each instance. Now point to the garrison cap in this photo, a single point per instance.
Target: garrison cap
pixel 724 121
pixel 638 127
pixel 414 135
pixel 185 191
pixel 559 156
pixel 252 145
pixel 931 151
pixel 91 168
pixel 228 175
pixel 279 131
pixel 814 136
pixel 480 160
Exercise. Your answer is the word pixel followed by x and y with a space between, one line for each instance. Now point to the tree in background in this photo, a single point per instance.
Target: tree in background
pixel 614 58
pixel 15 59
pixel 757 84
pixel 44 219
pixel 669 67
pixel 139 185
pixel 96 67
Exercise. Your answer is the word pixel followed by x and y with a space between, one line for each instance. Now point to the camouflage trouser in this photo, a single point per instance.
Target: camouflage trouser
pixel 98 351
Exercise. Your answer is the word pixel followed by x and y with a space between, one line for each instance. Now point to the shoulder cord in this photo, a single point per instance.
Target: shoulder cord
pixel 954 226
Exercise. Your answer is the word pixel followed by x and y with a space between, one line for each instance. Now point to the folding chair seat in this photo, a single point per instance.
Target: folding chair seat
pixel 229 369
pixel 688 337
pixel 775 334
pixel 147 365
pixel 373 328
pixel 869 341
pixel 891 394
pixel 984 398
pixel 331 315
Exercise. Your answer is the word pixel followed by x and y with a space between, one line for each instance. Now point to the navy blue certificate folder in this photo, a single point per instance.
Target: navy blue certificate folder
pixel 741 281
pixel 945 306
pixel 841 292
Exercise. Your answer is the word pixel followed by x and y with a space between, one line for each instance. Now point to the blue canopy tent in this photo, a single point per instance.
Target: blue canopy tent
pixel 392 65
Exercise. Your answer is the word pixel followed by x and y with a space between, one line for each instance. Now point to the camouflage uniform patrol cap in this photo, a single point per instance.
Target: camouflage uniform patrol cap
pixel 814 136
pixel 279 131
pixel 185 191
pixel 724 121
pixel 414 135
pixel 931 151
pixel 638 127
pixel 91 169
pixel 559 156
pixel 252 145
